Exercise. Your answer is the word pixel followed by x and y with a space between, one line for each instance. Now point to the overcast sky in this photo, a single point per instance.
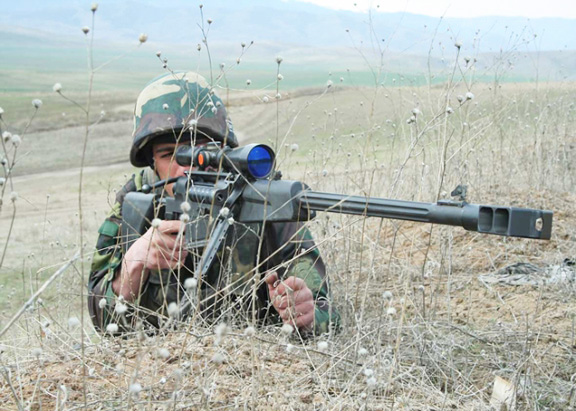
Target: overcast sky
pixel 460 8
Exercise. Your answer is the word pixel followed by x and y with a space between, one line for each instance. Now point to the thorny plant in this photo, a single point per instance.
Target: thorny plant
pixel 9 163
pixel 419 330
pixel 8 159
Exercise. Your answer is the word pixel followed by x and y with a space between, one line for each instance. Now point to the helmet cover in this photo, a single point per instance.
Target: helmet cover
pixel 181 105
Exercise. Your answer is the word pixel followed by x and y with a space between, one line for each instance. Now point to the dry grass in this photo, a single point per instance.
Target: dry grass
pixel 438 339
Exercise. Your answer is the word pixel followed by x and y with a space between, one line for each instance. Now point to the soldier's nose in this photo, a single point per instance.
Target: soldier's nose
pixel 179 172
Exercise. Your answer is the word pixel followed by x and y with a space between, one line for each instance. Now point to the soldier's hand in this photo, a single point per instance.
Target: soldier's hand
pixel 292 299
pixel 159 248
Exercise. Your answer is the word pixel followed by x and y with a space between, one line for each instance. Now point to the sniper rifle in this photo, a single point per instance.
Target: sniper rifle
pixel 239 185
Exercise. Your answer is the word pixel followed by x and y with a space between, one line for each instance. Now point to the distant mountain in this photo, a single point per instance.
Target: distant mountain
pixel 288 23
pixel 45 35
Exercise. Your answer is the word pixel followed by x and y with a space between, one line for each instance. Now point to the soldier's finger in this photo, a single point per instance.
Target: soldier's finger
pixel 304 307
pixel 167 252
pixel 271 279
pixel 167 242
pixel 295 283
pixel 163 250
pixel 287 314
pixel 283 288
pixel 299 316
pixel 284 302
pixel 296 298
pixel 170 226
pixel 304 320
pixel 173 261
pixel 179 254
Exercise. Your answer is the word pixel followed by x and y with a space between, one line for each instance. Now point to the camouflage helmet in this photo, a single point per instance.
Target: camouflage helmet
pixel 181 105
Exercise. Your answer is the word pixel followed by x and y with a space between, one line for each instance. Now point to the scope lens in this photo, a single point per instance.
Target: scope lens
pixel 260 161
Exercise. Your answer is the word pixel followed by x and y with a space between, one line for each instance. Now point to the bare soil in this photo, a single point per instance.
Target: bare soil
pixel 438 343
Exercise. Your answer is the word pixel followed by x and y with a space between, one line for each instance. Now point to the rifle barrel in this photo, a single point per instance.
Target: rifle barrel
pixel 488 219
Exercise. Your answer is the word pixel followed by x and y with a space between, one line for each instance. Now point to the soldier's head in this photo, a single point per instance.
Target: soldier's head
pixel 175 109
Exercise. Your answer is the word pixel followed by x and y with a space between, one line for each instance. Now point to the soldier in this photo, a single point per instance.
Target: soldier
pixel 138 287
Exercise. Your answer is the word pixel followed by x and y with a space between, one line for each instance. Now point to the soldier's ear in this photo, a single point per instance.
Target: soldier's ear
pixel 150 158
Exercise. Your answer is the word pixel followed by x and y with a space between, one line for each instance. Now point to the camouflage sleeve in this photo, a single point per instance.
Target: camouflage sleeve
pixel 105 261
pixel 300 252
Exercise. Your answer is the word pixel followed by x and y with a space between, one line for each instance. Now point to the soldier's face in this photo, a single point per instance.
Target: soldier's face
pixel 165 163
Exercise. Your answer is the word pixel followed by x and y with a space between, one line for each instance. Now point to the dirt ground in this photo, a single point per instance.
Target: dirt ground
pixel 438 343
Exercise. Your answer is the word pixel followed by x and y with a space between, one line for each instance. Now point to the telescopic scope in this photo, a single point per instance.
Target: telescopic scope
pixel 254 161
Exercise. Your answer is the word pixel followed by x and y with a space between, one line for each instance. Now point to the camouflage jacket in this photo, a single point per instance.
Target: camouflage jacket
pixel 233 286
